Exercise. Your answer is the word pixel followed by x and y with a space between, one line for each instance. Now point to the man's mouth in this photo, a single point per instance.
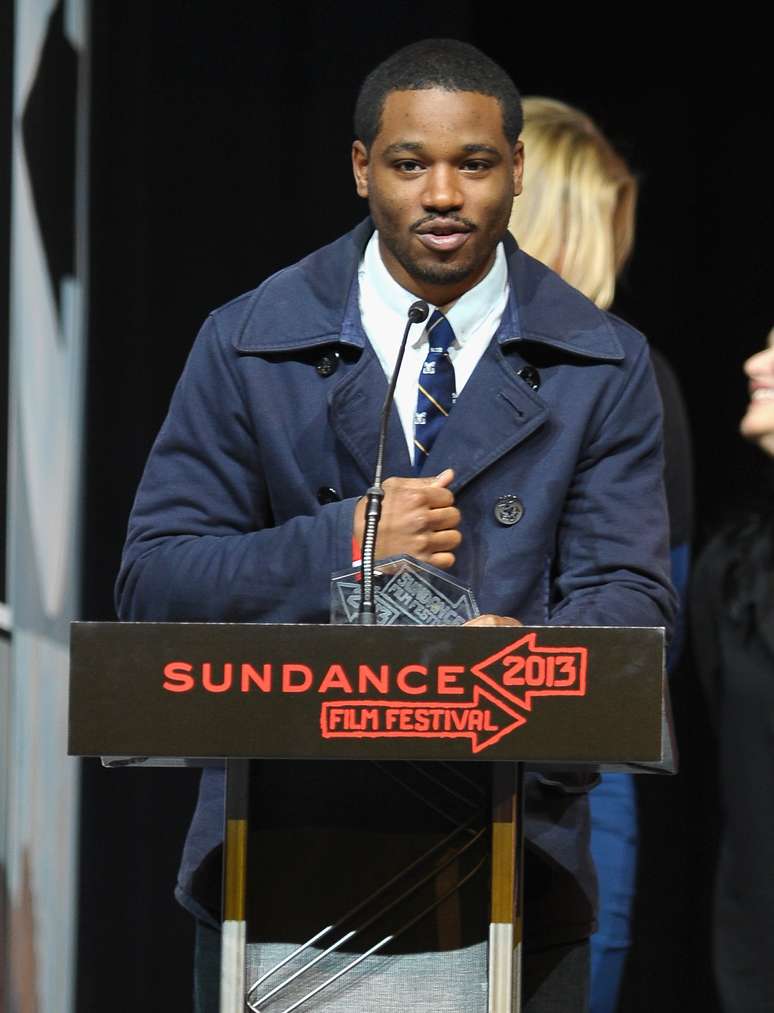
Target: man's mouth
pixel 443 235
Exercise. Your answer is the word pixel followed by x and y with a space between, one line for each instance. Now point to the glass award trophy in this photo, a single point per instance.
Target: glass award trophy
pixel 407 593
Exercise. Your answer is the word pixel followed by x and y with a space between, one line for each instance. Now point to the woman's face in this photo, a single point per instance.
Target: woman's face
pixel 758 422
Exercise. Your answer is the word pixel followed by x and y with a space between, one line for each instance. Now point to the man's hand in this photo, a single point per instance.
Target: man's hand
pixel 490 620
pixel 419 519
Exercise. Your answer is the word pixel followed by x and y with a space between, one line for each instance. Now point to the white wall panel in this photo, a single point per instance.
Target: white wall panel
pixel 47 345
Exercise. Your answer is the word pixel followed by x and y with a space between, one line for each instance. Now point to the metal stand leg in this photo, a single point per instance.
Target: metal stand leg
pixel 232 973
pixel 505 929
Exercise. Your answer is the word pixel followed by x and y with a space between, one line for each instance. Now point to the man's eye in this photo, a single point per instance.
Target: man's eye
pixel 408 165
pixel 475 165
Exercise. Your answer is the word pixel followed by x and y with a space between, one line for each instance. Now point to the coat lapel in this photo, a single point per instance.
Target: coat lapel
pixel 495 412
pixel 355 415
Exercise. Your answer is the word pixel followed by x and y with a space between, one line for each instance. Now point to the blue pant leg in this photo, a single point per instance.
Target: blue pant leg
pixel 614 849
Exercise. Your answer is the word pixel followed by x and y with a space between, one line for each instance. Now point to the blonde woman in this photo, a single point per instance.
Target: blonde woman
pixel 576 214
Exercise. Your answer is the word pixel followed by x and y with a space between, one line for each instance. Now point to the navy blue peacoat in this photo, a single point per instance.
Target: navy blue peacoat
pixel 281 397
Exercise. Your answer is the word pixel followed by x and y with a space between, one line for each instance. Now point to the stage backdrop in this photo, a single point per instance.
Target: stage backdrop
pixel 47 338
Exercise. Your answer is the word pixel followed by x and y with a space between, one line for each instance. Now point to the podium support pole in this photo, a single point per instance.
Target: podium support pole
pixel 232 980
pixel 507 904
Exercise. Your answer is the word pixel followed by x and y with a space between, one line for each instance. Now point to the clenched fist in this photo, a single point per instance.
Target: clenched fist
pixel 419 519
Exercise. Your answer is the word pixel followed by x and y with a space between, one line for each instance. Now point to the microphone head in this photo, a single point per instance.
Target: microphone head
pixel 418 311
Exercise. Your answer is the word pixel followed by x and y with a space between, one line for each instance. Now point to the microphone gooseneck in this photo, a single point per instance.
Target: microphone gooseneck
pixel 417 314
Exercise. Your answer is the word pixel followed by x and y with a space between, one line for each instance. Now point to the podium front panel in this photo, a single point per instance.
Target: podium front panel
pixel 535 694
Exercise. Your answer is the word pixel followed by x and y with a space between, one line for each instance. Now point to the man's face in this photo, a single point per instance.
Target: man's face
pixel 440 179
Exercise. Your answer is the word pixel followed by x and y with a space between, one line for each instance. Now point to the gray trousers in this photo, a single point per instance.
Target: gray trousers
pixel 555 980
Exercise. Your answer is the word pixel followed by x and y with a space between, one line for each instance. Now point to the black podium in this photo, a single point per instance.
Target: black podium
pixel 204 693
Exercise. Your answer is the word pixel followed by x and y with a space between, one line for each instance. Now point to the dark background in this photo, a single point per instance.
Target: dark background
pixel 220 138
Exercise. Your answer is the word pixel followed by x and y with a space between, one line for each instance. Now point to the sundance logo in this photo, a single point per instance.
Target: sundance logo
pixel 483 703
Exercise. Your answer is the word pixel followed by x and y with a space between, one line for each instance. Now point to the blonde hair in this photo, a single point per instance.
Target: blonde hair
pixel 576 212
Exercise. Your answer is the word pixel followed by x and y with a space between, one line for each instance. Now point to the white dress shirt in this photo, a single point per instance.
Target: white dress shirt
pixel 384 304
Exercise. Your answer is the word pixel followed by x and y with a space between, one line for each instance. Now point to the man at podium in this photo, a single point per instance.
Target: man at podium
pixel 523 456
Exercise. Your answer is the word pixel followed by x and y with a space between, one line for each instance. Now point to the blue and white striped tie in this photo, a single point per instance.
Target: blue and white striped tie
pixel 436 393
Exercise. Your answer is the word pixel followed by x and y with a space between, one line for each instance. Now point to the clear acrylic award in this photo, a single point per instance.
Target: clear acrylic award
pixel 407 593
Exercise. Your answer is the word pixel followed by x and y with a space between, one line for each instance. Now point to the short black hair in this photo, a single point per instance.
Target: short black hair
pixel 448 64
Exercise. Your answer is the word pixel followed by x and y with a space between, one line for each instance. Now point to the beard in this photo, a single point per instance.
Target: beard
pixel 428 268
pixel 431 269
pixel 434 272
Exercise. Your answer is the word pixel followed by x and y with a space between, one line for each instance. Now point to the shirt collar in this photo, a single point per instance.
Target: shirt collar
pixel 465 315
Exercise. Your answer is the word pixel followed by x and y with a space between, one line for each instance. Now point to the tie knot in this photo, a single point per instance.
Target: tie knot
pixel 439 333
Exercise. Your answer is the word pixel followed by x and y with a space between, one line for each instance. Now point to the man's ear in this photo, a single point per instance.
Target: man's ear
pixel 360 168
pixel 518 168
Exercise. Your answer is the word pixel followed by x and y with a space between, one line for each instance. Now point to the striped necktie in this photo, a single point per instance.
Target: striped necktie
pixel 436 393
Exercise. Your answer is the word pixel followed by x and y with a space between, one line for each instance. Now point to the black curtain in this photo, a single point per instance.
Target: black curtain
pixel 220 153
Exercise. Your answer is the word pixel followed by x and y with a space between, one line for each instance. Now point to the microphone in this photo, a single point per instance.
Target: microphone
pixel 417 313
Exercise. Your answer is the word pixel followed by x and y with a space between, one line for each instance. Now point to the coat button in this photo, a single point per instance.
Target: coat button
pixel 509 510
pixel 529 375
pixel 327 494
pixel 328 363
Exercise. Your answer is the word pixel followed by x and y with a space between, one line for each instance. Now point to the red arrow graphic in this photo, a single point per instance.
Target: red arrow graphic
pixel 523 670
pixel 484 720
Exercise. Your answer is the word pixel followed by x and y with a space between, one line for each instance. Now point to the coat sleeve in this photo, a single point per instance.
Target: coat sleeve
pixel 202 544
pixel 612 566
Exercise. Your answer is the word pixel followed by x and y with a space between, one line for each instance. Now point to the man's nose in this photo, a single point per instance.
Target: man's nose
pixel 442 191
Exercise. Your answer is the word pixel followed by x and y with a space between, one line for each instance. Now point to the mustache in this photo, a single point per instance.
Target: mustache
pixel 471 226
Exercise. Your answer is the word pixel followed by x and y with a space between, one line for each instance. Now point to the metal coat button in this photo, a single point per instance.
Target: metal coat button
pixel 328 363
pixel 327 494
pixel 529 375
pixel 509 510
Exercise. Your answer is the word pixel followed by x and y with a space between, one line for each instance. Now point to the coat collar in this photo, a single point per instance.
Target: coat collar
pixel 314 302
